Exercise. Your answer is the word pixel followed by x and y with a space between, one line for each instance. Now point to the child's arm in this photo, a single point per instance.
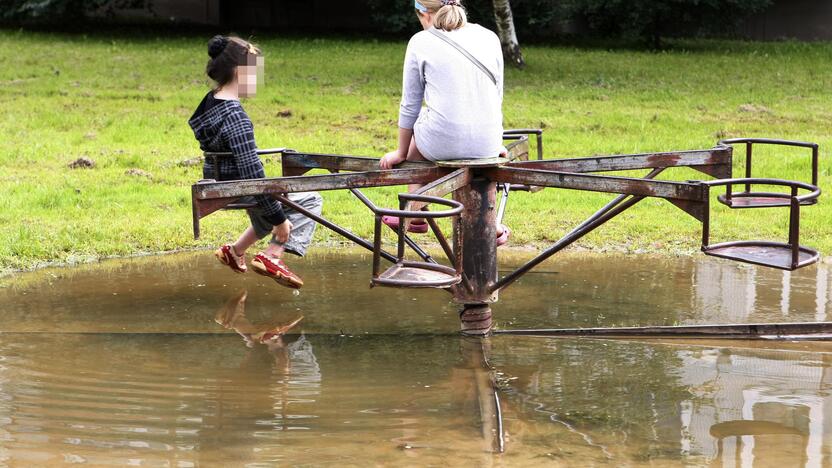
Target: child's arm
pixel 239 133
pixel 413 93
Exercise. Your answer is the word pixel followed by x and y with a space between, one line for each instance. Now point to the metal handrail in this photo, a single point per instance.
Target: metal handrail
pixel 404 198
pixel 749 142
pixel 769 141
pixel 508 134
pixel 813 195
pixel 260 152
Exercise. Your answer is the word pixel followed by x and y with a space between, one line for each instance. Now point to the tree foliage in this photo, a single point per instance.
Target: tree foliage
pixel 647 20
pixel 60 11
pixel 531 17
pixel 653 20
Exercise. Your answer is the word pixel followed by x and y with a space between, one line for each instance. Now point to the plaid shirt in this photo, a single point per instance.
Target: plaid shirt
pixel 226 127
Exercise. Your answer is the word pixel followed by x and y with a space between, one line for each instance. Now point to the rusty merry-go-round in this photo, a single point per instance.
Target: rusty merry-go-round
pixel 474 194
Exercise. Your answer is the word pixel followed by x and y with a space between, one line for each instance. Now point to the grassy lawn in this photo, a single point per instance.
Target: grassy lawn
pixel 123 101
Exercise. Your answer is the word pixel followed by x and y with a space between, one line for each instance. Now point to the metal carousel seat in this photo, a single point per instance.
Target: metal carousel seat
pixel 411 274
pixel 784 256
pixel 757 199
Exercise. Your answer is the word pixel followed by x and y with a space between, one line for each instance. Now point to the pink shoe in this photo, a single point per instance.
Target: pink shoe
pixel 226 256
pixel 415 228
pixel 502 239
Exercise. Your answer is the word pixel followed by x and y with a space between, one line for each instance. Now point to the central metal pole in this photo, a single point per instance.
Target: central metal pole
pixel 478 232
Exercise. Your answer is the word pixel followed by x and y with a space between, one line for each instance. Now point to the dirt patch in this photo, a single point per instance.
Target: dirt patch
pixel 754 109
pixel 133 172
pixel 190 162
pixel 82 163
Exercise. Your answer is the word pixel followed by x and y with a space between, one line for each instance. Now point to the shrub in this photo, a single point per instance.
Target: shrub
pixel 651 20
pixel 61 11
pixel 532 18
pixel 646 20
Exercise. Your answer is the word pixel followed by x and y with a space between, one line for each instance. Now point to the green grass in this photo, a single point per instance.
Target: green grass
pixel 124 101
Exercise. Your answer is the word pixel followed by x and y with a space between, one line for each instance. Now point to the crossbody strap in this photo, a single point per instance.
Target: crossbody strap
pixel 464 52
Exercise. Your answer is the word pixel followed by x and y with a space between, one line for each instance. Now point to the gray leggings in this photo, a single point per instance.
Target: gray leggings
pixel 303 228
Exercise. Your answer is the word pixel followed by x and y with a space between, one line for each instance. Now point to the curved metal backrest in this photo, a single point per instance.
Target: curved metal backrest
pixel 750 142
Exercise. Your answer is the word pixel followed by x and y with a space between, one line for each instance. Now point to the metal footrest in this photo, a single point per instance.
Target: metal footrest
pixel 765 253
pixel 407 274
pixel 759 200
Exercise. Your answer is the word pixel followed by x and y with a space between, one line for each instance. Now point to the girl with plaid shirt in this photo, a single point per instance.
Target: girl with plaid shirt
pixel 221 125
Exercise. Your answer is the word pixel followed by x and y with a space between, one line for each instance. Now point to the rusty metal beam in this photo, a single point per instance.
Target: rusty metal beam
pixel 765 331
pixel 597 183
pixel 334 227
pixel 441 187
pixel 720 156
pixel 295 164
pixel 447 184
pixel 242 188
pixel 566 240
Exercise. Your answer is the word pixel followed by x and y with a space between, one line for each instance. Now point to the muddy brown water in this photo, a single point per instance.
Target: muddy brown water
pixel 137 362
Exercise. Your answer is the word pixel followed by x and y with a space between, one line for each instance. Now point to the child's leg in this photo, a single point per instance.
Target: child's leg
pixel 413 154
pixel 246 240
pixel 231 254
pixel 303 228
pixel 258 229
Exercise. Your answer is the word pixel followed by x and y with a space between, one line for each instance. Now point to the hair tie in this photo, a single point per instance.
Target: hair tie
pixel 216 45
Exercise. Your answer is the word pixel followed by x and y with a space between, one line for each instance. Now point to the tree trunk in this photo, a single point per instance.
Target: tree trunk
pixel 507 33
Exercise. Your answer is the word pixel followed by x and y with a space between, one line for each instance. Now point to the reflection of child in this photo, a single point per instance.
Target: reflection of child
pixel 221 125
pixel 233 316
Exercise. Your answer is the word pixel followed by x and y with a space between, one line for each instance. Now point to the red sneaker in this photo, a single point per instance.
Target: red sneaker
pixel 275 269
pixel 226 256
pixel 415 228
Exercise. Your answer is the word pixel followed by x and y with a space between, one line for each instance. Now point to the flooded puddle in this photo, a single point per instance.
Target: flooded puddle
pixel 167 361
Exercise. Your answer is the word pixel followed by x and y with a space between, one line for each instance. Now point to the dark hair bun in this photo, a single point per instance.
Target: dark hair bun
pixel 216 45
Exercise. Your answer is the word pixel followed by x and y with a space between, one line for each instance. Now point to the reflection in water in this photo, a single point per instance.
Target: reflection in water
pixel 702 405
pixel 728 292
pixel 233 316
pixel 756 403
pixel 289 382
pixel 821 294
pixel 149 369
pixel 573 291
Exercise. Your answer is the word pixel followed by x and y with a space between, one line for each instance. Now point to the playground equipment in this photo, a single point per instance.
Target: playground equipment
pixel 471 275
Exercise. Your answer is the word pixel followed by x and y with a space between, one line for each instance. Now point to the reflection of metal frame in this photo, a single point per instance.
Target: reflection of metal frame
pixel 764 331
pixel 472 277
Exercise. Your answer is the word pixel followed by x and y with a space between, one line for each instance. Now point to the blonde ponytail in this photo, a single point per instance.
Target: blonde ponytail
pixel 449 15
